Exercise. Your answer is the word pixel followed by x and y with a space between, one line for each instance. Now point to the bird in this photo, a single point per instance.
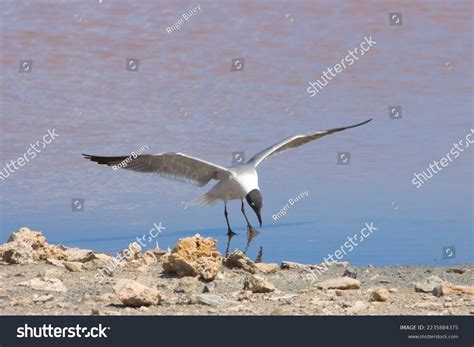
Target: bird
pixel 237 182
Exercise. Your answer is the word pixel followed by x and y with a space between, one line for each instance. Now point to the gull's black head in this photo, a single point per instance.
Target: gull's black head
pixel 255 200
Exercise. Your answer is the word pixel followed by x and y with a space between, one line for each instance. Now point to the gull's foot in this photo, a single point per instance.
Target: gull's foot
pixel 252 231
pixel 251 234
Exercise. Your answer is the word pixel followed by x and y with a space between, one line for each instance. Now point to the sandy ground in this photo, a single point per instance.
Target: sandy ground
pixel 296 292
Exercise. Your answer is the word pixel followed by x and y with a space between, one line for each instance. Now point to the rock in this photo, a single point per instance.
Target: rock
pixel 193 256
pixel 51 272
pixel 428 284
pixel 133 249
pixel 19 254
pixel 393 290
pixel 209 287
pixel 449 288
pixel 238 260
pixel 21 301
pixel 73 266
pixel 327 265
pixel 290 265
pixel 95 311
pixel 427 305
pixel 339 283
pixel 102 260
pixel 134 294
pixel 257 284
pixel 267 268
pixel 350 272
pixel 179 290
pixel 27 247
pixel 45 284
pixel 379 294
pixel 244 295
pixel 3 275
pixel 456 270
pixel 78 254
pixel 213 300
pixel 147 258
pixel 43 298
pixel 55 262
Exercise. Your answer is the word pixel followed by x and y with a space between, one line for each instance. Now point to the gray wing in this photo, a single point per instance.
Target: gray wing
pixel 176 166
pixel 295 141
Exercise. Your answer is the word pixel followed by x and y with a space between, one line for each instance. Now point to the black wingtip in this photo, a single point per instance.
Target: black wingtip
pixel 357 125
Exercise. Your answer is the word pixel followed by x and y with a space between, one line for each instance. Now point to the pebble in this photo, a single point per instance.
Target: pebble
pixel 350 272
pixel 209 287
pixel 379 294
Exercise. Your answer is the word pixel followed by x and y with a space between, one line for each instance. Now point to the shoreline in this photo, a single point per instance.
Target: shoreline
pixel 37 278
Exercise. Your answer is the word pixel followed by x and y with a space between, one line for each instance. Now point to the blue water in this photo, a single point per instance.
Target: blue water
pixel 185 98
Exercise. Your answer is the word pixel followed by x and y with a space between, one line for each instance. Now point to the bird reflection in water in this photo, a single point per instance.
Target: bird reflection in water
pixel 251 234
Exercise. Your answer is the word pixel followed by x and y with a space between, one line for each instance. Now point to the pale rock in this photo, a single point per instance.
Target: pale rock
pixel 267 268
pixel 21 301
pixel 105 297
pixel 78 254
pixel 73 266
pixel 45 284
pixel 244 295
pixel 43 298
pixel 350 272
pixel 258 284
pixel 290 265
pixel 55 262
pixel 134 294
pixel 213 300
pixel 52 272
pixel 379 294
pixel 339 283
pixel 238 260
pixel 428 284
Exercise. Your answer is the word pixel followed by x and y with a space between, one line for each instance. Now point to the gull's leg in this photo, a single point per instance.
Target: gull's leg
pixel 251 231
pixel 229 230
pixel 230 233
pixel 249 226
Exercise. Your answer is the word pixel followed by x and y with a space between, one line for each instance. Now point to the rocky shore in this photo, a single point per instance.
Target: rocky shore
pixel 37 278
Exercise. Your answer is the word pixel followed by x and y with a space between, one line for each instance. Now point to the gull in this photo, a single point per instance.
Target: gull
pixel 236 182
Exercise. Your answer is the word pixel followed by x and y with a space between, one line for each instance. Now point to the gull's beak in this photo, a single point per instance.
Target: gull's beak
pixel 259 218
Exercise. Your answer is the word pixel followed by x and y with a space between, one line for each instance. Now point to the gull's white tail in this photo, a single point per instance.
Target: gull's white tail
pixel 204 200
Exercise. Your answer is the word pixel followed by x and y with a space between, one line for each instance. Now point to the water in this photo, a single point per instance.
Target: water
pixel 185 98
